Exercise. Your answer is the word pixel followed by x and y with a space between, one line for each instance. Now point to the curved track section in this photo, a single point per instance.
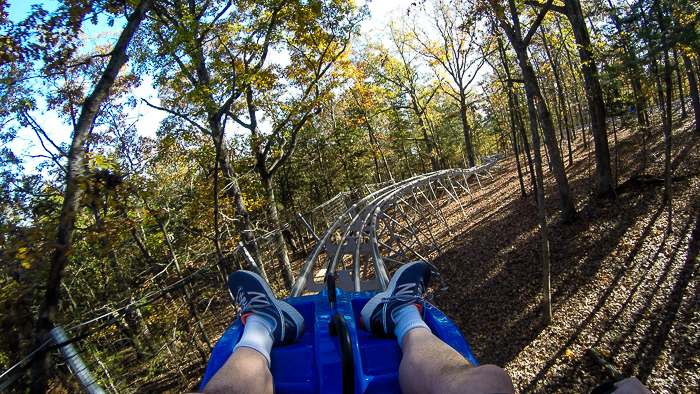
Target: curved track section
pixel 397 224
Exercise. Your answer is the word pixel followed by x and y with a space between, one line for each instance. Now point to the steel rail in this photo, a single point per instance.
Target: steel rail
pixel 380 268
pixel 359 224
pixel 307 268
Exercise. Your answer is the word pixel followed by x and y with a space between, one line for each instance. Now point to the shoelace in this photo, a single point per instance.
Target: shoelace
pixel 256 300
pixel 403 298
pixel 406 295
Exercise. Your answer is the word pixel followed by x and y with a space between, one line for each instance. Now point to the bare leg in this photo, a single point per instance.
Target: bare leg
pixel 268 321
pixel 429 365
pixel 246 371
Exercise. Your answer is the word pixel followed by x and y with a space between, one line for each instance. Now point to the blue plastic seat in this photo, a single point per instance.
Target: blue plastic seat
pixel 313 363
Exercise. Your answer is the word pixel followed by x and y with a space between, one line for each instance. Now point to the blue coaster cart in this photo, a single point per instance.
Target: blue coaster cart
pixel 335 355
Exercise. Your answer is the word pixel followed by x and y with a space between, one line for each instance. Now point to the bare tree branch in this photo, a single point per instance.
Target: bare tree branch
pixel 179 115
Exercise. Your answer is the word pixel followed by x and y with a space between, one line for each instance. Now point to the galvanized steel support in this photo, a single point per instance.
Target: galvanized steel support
pixel 390 225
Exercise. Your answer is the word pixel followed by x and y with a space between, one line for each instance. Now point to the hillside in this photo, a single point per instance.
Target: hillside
pixel 620 283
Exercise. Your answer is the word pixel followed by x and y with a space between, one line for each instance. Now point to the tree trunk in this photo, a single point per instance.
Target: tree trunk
pixel 560 95
pixel 576 96
pixel 372 148
pixel 582 121
pixel 635 74
pixel 526 147
pixel 681 96
pixel 544 231
pixel 568 209
pixel 668 130
pixel 187 287
pixel 233 191
pixel 666 109
pixel 373 144
pixel 515 112
pixel 281 251
pixel 434 163
pixel 136 328
pixel 693 83
pixel 214 115
pixel 76 164
pixel 667 114
pixel 466 128
pixel 523 193
pixel 604 184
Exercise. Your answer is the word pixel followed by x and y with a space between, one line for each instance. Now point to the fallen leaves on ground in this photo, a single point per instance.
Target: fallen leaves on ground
pixel 620 282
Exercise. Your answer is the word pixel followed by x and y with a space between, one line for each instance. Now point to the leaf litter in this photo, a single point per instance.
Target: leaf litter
pixel 621 284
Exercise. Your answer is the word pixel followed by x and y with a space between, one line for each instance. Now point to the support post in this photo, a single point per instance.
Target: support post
pixel 76 363
pixel 309 227
pixel 437 202
pixel 251 262
pixel 466 184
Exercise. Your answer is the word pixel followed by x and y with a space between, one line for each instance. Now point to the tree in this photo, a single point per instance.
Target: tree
pixel 190 86
pixel 560 85
pixel 537 106
pixel 74 173
pixel 453 51
pixel 520 43
pixel 214 70
pixel 695 97
pixel 632 64
pixel 605 186
pixel 685 28
pixel 403 73
pixel 366 108
pixel 515 117
pixel 318 35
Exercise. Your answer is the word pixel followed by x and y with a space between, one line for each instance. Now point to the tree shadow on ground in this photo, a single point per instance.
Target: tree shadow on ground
pixel 643 339
pixel 662 316
pixel 491 284
pixel 494 270
pixel 581 279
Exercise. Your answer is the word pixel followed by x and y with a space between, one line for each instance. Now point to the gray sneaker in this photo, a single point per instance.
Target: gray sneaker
pixel 253 295
pixel 406 287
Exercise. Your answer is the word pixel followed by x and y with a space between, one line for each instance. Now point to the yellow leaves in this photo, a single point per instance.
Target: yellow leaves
pixel 100 161
pixel 265 79
pixel 22 257
pixel 251 202
pixel 569 354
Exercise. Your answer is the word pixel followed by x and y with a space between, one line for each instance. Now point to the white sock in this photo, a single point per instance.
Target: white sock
pixel 407 318
pixel 257 335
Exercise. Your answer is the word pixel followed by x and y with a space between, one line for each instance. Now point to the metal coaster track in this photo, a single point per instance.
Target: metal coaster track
pixel 391 225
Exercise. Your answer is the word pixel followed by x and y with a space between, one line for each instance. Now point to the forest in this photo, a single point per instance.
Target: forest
pixel 270 118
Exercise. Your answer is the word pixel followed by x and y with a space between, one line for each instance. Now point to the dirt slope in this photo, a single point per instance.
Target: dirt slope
pixel 620 283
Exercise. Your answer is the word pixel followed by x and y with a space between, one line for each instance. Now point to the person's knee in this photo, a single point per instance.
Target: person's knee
pixel 493 377
pixel 246 371
pixel 246 381
pixel 631 386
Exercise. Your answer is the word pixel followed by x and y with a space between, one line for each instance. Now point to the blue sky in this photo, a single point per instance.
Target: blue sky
pixel 19 9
